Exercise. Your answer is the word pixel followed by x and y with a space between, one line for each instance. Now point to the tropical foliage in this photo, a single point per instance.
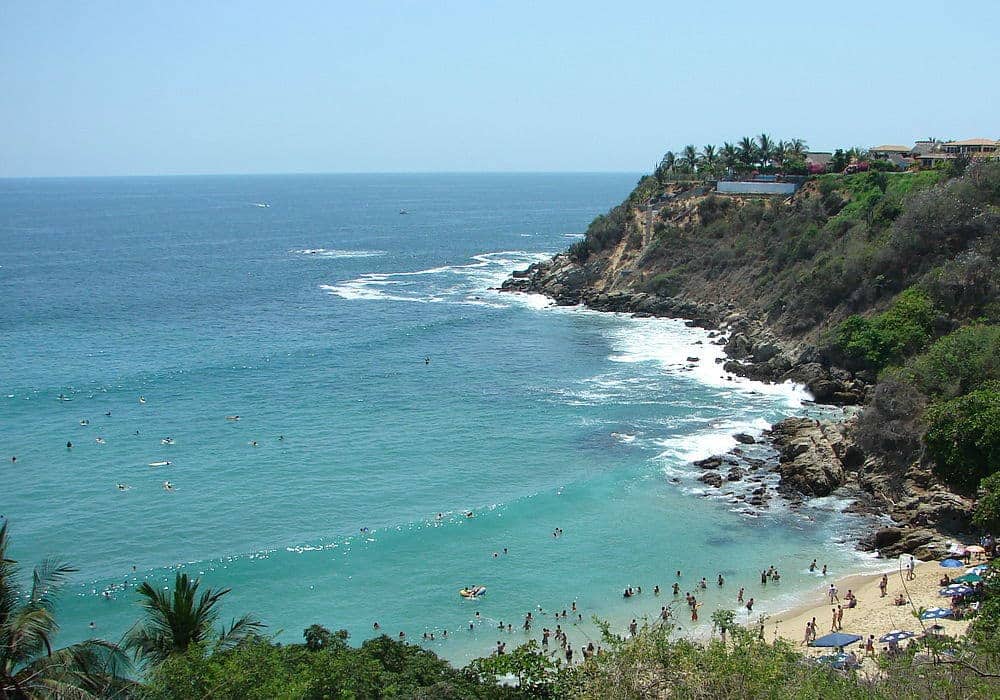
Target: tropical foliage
pixel 178 620
pixel 30 664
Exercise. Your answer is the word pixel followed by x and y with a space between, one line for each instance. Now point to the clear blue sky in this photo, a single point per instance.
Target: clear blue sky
pixel 95 88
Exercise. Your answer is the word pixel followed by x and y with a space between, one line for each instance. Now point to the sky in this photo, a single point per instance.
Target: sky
pixel 169 87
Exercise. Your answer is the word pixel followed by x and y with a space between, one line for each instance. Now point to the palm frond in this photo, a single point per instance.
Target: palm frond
pixel 239 631
pixel 47 579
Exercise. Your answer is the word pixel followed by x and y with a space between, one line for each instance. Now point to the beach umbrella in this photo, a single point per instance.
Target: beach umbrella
pixel 836 639
pixel 952 563
pixel 968 578
pixel 955 589
pixel 935 613
pixel 896 636
pixel 975 549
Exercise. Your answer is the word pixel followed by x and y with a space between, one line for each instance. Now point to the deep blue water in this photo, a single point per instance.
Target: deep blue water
pixel 379 382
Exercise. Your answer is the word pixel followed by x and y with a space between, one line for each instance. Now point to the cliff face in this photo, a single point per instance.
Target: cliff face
pixel 777 278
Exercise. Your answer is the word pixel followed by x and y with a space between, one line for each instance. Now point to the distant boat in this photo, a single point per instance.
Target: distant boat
pixel 403 212
pixel 262 205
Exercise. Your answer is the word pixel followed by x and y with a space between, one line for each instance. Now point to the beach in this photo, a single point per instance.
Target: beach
pixel 873 614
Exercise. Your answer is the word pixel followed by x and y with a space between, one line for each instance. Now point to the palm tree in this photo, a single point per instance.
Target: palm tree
pixel 669 161
pixel 748 151
pixel 176 621
pixel 690 157
pixel 29 666
pixel 709 156
pixel 780 152
pixel 797 148
pixel 730 155
pixel 765 149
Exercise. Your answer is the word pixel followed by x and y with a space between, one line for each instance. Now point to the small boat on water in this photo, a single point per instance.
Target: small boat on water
pixel 403 212
pixel 160 464
pixel 473 592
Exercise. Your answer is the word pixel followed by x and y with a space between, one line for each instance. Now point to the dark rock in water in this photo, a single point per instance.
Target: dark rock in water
pixel 735 474
pixel 519 274
pixel 709 463
pixel 693 359
pixel 711 478
pixel 744 438
pixel 759 491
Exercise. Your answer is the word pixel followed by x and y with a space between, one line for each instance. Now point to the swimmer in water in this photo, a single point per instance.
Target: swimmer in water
pixel 167 486
pixel 427 359
pixel 123 487
pixel 69 445
pixel 13 459
pixel 85 422
pixel 142 399
pixel 108 414
pixel 99 440
pixel 253 443
pixel 281 437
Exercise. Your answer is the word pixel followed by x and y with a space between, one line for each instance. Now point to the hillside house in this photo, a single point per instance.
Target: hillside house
pixel 972 147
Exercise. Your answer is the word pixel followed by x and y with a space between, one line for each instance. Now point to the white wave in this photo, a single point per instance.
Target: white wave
pixel 669 343
pixel 573 235
pixel 469 283
pixel 336 254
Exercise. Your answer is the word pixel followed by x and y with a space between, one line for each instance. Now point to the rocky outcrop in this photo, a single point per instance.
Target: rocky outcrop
pixel 811 455
pixel 814 458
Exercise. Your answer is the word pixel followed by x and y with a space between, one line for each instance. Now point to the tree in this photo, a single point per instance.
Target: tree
pixel 748 151
pixel 963 436
pixel 765 150
pixel 29 666
pixel 176 621
pixel 690 157
pixel 730 156
pixel 796 148
pixel 987 513
pixel 709 157
pixel 669 161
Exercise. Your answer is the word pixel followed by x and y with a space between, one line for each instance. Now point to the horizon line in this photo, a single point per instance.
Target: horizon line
pixel 319 172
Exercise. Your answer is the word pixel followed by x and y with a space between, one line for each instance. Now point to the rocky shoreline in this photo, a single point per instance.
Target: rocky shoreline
pixel 812 458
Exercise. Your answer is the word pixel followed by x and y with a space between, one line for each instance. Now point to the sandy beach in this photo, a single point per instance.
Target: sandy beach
pixel 873 614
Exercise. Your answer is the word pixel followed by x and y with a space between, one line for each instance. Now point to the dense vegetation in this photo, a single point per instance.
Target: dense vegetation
pixel 182 655
pixel 892 275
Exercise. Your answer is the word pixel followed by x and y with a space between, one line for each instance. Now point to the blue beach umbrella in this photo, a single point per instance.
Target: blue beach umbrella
pixel 952 563
pixel 836 639
pixel 896 636
pixel 935 613
pixel 955 589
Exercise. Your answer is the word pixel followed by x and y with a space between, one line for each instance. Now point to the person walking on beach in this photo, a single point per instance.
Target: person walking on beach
pixel 840 617
pixel 808 636
pixel 739 596
pixel 632 627
pixel 833 622
pixel 910 566
pixel 883 584
pixel 870 646
pixel 833 594
pixel 815 628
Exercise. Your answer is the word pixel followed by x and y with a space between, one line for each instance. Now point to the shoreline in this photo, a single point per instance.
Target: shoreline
pixel 874 614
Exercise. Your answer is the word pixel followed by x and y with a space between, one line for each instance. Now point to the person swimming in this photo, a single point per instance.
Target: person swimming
pixel 85 422
pixel 167 486
pixel 427 359
pixel 142 399
pixel 108 414
pixel 69 445
pixel 99 440
pixel 123 487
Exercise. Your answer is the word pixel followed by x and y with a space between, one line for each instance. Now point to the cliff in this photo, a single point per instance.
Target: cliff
pixel 847 286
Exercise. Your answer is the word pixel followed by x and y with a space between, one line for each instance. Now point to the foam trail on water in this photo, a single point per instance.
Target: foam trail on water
pixel 336 254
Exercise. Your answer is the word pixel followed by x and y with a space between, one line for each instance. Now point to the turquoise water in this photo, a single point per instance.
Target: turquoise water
pixel 379 382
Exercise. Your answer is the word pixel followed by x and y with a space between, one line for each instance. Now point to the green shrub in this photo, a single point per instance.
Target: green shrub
pixel 957 363
pixel 963 436
pixel 987 513
pixel 903 329
pixel 666 284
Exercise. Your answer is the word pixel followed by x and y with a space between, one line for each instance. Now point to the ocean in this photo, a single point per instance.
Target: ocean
pixel 404 429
